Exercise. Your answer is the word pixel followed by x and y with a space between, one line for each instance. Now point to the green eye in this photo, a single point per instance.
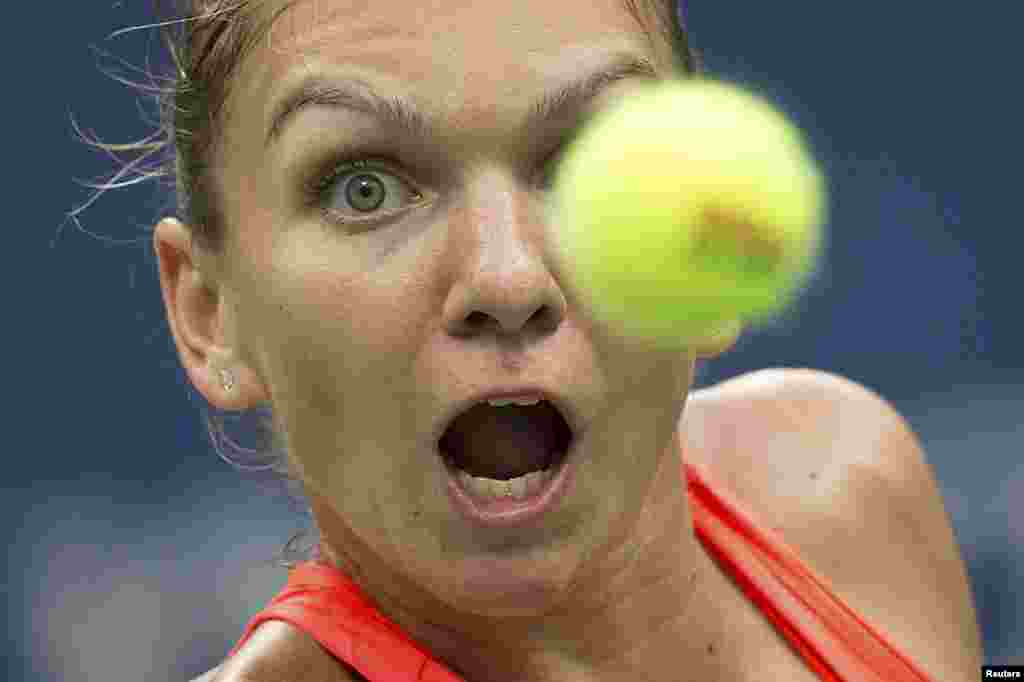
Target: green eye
pixel 553 163
pixel 356 190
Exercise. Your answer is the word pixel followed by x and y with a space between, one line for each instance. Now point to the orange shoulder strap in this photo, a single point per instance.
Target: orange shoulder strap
pixel 832 638
pixel 324 602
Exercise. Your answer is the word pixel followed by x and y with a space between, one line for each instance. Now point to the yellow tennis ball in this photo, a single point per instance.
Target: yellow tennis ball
pixel 685 208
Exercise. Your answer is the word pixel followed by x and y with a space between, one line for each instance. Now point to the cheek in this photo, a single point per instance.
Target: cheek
pixel 332 330
pixel 312 294
pixel 333 286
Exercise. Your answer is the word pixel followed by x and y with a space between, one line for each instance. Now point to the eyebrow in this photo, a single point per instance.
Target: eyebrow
pixel 401 115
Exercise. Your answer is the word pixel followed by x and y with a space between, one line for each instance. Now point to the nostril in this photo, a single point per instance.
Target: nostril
pixel 476 319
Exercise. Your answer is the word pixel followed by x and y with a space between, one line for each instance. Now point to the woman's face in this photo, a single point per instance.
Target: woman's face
pixel 432 277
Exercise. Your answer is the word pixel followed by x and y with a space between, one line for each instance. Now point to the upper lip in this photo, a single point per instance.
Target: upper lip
pixel 562 404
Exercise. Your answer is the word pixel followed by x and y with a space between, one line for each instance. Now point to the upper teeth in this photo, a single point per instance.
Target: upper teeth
pixel 501 402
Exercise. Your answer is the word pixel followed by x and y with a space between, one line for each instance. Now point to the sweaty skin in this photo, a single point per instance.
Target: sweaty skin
pixel 362 332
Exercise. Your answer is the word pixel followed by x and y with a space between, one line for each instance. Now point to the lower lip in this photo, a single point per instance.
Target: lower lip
pixel 513 513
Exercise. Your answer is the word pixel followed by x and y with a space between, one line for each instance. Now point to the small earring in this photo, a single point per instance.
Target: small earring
pixel 227 380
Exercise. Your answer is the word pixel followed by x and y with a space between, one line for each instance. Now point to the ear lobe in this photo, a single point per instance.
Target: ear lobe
pixel 195 316
pixel 719 342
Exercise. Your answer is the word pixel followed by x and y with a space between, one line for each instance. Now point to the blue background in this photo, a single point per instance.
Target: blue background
pixel 135 553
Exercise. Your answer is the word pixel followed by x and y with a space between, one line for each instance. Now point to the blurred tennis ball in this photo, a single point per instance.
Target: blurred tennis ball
pixel 686 209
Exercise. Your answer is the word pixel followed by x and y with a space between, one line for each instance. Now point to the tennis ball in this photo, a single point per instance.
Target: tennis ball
pixel 685 208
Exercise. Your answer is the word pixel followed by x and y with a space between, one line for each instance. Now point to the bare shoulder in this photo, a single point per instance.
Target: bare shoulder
pixel 280 652
pixel 209 675
pixel 803 432
pixel 840 474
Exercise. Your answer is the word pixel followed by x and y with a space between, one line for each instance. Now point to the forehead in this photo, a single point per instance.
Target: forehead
pixel 454 55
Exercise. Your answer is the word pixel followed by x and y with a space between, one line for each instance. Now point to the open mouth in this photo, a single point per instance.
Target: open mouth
pixel 508 466
pixel 507 442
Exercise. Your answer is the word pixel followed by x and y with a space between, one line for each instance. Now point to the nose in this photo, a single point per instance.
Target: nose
pixel 504 284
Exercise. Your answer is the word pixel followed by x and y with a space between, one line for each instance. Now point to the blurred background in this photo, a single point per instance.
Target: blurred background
pixel 134 552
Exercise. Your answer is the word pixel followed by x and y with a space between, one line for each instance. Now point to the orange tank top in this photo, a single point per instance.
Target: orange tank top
pixel 832 638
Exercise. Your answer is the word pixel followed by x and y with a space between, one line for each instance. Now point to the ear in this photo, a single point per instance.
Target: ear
pixel 720 342
pixel 199 316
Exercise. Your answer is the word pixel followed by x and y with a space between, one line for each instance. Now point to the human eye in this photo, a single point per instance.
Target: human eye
pixel 357 189
pixel 550 169
pixel 553 161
